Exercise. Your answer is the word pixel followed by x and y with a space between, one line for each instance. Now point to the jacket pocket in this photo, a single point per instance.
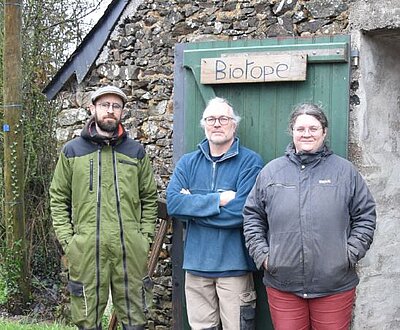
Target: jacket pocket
pixel 127 162
pixel 79 308
pixel 331 260
pixel 285 258
pixel 76 253
pixel 128 181
pixel 75 288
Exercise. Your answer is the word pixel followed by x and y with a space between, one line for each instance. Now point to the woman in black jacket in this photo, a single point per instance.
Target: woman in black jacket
pixel 308 220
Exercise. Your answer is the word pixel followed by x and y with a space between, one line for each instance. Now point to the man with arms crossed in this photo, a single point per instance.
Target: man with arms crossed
pixel 207 191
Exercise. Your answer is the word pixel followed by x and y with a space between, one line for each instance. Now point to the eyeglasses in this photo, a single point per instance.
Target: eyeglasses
pixel 223 120
pixel 106 105
pixel 312 130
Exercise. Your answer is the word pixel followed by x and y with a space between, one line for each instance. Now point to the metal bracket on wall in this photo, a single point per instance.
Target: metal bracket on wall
pixel 355 57
pixel 206 91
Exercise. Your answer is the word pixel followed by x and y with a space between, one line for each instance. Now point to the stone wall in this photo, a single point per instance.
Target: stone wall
pixel 375 140
pixel 139 58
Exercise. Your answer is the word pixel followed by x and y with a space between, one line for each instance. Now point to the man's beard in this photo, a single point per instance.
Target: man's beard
pixel 218 140
pixel 105 125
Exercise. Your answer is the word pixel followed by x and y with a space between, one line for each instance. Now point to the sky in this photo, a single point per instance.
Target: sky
pixel 90 21
pixel 95 16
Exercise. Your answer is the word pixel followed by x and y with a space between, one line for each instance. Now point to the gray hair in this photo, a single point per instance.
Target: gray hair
pixel 310 109
pixel 218 101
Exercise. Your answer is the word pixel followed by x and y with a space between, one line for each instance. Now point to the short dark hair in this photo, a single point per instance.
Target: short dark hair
pixel 310 109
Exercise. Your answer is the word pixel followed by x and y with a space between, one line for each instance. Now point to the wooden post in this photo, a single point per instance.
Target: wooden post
pixel 14 210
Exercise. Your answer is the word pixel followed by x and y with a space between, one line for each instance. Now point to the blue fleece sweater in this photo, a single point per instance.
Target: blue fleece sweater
pixel 214 239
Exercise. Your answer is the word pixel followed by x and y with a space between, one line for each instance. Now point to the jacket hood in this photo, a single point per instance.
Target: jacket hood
pixel 89 132
pixel 307 157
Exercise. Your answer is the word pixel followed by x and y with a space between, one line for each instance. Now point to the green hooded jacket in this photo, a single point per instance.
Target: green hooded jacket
pixel 103 201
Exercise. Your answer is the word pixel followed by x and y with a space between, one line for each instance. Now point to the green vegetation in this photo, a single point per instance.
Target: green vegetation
pixel 9 274
pixel 21 325
pixel 51 29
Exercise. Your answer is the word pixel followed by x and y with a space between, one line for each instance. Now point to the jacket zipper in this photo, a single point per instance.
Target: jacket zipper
pixel 122 238
pixel 214 170
pixel 91 175
pixel 99 149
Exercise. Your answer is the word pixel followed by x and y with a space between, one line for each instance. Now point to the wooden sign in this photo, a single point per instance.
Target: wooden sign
pixel 253 68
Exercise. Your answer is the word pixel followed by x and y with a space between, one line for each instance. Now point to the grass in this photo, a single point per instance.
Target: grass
pixel 23 325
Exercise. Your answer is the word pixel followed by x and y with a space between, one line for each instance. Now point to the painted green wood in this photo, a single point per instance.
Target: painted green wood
pixel 316 52
pixel 265 107
pixel 269 104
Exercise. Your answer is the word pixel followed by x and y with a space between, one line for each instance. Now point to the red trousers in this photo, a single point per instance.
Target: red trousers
pixel 291 312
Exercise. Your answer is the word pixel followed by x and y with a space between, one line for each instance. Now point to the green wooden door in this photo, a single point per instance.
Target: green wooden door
pixel 264 106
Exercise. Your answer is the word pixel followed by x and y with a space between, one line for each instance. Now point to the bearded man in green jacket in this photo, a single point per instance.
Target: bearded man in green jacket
pixel 103 200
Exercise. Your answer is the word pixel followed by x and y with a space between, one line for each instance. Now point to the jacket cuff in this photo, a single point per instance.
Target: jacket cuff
pixel 264 254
